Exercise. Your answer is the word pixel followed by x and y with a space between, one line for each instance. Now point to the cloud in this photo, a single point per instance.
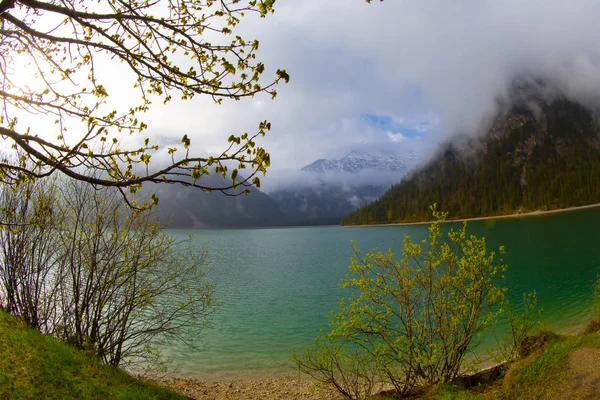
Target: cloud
pixel 396 75
pixel 396 137
pixel 297 179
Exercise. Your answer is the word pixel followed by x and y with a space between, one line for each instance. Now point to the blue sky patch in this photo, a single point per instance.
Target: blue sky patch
pixel 384 122
pixel 387 123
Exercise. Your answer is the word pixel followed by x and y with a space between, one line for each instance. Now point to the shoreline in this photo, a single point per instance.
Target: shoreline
pixel 288 385
pixel 283 387
pixel 256 384
pixel 493 217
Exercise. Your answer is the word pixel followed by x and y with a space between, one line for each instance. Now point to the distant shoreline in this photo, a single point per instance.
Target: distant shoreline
pixel 516 215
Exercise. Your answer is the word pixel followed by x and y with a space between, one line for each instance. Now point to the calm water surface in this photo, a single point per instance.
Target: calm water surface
pixel 278 285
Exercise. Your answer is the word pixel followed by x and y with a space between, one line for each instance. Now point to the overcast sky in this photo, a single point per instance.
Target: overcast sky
pixel 393 76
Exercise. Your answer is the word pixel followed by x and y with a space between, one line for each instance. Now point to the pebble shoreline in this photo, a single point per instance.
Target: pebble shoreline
pixel 250 389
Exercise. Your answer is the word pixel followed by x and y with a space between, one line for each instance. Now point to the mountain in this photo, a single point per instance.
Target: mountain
pixel 542 151
pixel 325 202
pixel 188 207
pixel 322 198
pixel 356 161
pixel 337 187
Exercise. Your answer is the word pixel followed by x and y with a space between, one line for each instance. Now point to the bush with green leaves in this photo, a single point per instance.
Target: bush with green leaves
pixel 410 321
pixel 520 327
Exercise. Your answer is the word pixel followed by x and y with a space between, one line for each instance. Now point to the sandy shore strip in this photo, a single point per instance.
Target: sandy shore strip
pixel 250 389
pixel 516 215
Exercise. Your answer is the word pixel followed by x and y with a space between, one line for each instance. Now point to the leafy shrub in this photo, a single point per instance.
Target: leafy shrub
pixel 515 344
pixel 411 321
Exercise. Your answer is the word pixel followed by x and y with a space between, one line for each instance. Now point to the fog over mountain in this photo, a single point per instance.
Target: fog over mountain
pixel 320 193
pixel 541 152
pixel 356 168
pixel 327 189
pixel 393 75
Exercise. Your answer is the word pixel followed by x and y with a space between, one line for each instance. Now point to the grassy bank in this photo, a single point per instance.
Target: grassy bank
pixel 566 368
pixel 35 366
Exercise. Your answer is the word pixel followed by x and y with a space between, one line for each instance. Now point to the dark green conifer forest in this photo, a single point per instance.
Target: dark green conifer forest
pixel 532 158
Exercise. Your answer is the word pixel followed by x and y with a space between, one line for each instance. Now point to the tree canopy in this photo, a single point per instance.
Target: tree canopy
pixel 173 48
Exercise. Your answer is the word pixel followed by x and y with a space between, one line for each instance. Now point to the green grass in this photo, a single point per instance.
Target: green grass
pixel 36 366
pixel 543 375
pixel 449 393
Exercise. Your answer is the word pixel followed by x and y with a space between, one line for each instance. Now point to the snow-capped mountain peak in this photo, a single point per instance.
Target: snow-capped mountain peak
pixel 356 161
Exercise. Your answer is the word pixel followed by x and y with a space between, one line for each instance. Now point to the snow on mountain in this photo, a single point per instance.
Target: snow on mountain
pixel 356 161
pixel 329 189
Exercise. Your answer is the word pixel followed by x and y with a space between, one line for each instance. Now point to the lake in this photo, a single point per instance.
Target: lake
pixel 278 285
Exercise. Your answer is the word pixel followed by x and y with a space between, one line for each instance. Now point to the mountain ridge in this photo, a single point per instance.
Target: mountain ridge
pixel 356 161
pixel 324 201
pixel 338 187
pixel 541 152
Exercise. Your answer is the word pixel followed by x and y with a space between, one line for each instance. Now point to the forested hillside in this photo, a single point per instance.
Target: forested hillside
pixel 539 155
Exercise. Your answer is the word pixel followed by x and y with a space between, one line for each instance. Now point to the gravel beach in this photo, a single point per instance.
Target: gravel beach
pixel 268 389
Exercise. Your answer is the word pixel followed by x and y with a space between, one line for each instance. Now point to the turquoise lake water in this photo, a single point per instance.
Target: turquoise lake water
pixel 278 285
